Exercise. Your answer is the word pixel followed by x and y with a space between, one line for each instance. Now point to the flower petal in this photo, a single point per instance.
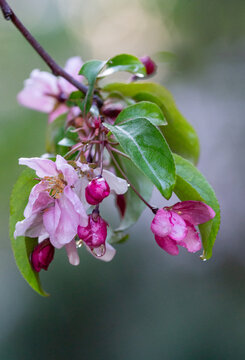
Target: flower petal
pixel 67 170
pixel 59 110
pixel 196 212
pixel 192 241
pixel 72 253
pixel 37 88
pixel 51 219
pixel 109 253
pixel 73 66
pixel 31 226
pixel 117 184
pixel 39 199
pixel 179 229
pixel 167 244
pixel 43 167
pixel 161 225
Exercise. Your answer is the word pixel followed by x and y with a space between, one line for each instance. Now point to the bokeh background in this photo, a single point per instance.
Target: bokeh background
pixel 144 303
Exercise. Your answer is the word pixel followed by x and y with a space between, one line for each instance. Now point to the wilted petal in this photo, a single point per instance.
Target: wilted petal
pixel 117 184
pixel 167 244
pixel 179 230
pixel 196 212
pixel 192 241
pixel 59 110
pixel 161 225
pixel 72 253
pixel 37 91
pixel 31 226
pixel 110 252
pixel 43 167
pixel 67 170
pixel 39 199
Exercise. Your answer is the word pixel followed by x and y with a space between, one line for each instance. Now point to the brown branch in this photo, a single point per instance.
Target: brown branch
pixel 55 68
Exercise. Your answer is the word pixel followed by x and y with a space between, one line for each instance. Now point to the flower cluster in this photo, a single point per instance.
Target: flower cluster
pixel 56 209
pixel 59 210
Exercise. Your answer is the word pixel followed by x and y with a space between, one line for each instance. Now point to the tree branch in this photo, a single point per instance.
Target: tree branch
pixel 55 68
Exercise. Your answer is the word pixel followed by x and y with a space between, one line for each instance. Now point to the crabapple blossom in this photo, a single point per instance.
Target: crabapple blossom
pixel 175 225
pixel 150 65
pixel 47 93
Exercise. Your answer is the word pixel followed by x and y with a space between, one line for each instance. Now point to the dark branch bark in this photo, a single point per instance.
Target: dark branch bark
pixel 55 68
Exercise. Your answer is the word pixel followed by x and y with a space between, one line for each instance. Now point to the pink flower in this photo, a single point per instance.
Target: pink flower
pixel 175 225
pixel 97 190
pixel 42 255
pixel 150 66
pixel 47 93
pixel 54 209
pixel 94 237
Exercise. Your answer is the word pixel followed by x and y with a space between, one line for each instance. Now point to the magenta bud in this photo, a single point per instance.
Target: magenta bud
pixel 97 190
pixel 121 203
pixel 112 110
pixel 95 233
pixel 150 65
pixel 42 255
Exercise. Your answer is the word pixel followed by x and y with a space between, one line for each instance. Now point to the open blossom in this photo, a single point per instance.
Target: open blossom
pixel 54 210
pixel 47 93
pixel 175 225
pixel 57 206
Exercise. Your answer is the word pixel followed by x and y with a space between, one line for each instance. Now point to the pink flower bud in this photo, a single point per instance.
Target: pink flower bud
pixel 121 203
pixel 42 255
pixel 150 66
pixel 97 190
pixel 94 235
pixel 112 110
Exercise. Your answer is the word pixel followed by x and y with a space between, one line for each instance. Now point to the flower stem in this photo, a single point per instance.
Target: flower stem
pixel 55 68
pixel 153 209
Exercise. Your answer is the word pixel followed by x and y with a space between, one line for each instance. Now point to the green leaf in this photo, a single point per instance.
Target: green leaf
pixel 23 246
pixel 147 148
pixel 114 237
pixel 90 70
pixel 134 206
pixel 143 109
pixel 191 185
pixel 124 62
pixel 66 142
pixel 55 133
pixel 75 99
pixel 179 134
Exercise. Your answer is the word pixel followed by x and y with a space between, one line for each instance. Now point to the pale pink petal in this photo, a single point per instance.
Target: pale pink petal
pixel 32 226
pixel 79 189
pixel 161 225
pixel 72 253
pixel 38 91
pixel 59 110
pixel 51 219
pixel 179 229
pixel 43 167
pixel 77 206
pixel 117 184
pixel 196 212
pixel 39 199
pixel 109 253
pixel 192 241
pixel 67 170
pixel 167 244
pixel 73 66
pixel 74 112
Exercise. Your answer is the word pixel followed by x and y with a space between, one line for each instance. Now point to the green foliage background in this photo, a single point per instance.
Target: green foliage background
pixel 145 303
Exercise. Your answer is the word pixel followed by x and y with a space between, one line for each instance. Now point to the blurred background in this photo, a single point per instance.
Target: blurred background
pixel 144 303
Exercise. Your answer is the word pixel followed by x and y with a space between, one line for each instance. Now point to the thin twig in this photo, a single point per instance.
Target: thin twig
pixel 119 152
pixel 55 68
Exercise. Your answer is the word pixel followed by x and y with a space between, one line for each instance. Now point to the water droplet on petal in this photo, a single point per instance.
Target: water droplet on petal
pixel 79 243
pixel 99 251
